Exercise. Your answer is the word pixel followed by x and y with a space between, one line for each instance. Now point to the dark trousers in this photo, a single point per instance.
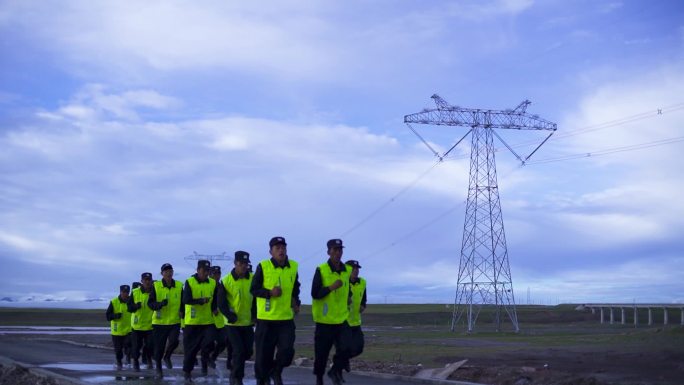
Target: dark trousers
pixel 222 343
pixel 242 341
pixel 325 337
pixel 197 338
pixel 160 335
pixel 120 343
pixel 142 339
pixel 357 341
pixel 269 336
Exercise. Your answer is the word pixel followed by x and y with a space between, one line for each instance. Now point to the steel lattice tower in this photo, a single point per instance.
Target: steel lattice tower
pixel 484 273
pixel 209 257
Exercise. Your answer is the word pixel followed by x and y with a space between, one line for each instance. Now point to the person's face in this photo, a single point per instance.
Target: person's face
pixel 279 252
pixel 202 273
pixel 241 268
pixel 355 273
pixel 335 254
pixel 216 274
pixel 124 295
pixel 146 283
pixel 167 274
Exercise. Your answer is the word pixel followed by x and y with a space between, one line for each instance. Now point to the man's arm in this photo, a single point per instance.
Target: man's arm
pixel 181 310
pixel 318 291
pixel 132 306
pixel 257 289
pixel 187 296
pixel 224 307
pixel 214 301
pixel 363 300
pixel 110 313
pixel 295 291
pixel 152 300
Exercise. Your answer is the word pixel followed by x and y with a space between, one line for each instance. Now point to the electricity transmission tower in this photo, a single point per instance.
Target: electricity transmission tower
pixel 484 274
pixel 209 257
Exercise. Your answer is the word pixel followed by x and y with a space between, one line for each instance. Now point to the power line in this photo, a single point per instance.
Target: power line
pixel 380 208
pixel 591 128
pixel 595 127
pixel 604 152
pixel 613 150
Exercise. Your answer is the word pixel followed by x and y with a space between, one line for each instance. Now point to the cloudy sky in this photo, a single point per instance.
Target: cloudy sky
pixel 138 133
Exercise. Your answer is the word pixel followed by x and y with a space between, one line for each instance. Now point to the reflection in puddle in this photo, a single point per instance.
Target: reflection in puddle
pixel 54 330
pixel 170 379
pixel 144 377
pixel 79 367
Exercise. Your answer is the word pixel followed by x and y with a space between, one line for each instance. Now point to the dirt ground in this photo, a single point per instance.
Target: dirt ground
pixel 556 367
pixel 556 345
pixel 16 375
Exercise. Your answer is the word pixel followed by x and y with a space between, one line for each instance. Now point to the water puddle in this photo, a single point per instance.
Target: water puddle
pixel 54 330
pixel 167 379
pixel 78 366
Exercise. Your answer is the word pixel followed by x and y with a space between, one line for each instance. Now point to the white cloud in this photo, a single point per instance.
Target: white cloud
pixel 646 279
pixel 19 242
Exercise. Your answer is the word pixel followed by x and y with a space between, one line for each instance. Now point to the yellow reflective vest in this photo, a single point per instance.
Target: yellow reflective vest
pixel 239 298
pixel 277 308
pixel 121 326
pixel 333 308
pixel 141 319
pixel 200 314
pixel 357 290
pixel 169 314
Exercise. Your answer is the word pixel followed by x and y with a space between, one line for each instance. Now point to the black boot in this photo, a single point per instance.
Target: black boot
pixel 187 377
pixel 136 365
pixel 334 377
pixel 277 378
pixel 168 363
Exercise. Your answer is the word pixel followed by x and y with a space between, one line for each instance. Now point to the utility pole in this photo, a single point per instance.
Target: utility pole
pixel 484 274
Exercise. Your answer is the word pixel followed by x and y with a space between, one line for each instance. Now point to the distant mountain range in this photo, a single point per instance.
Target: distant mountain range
pixel 51 301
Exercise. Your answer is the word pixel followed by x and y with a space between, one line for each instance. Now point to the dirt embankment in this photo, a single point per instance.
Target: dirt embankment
pixel 17 375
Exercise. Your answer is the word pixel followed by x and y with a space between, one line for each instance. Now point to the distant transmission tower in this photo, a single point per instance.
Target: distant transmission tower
pixel 209 257
pixel 484 273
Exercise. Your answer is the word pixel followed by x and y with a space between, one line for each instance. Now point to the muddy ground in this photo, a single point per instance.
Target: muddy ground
pixel 555 345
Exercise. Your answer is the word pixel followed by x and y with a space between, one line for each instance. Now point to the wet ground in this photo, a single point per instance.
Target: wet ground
pixel 95 365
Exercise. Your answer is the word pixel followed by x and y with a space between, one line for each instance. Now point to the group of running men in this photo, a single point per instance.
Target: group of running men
pixel 217 313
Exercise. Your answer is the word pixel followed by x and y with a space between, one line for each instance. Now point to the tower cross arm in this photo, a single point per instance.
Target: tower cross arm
pixel 516 119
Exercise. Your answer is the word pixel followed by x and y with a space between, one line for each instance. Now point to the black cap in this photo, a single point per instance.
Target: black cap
pixel 242 256
pixel 136 284
pixel 145 275
pixel 216 269
pixel 353 263
pixel 276 241
pixel 125 288
pixel 335 243
pixel 166 266
pixel 203 263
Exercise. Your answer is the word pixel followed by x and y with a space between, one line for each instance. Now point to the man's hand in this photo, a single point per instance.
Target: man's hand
pixel 276 292
pixel 295 308
pixel 361 309
pixel 215 312
pixel 336 285
pixel 165 302
pixel 231 317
